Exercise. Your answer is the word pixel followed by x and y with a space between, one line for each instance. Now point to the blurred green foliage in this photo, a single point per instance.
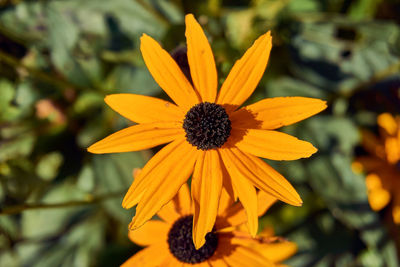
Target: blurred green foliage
pixel 61 206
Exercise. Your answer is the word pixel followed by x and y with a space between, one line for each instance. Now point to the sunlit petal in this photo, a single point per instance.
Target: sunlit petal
pixel 179 206
pixel 246 73
pixel 167 73
pixel 201 60
pixel 152 232
pixel 144 109
pixel 206 190
pixel 158 166
pixel 272 113
pixel 138 137
pixel 151 256
pixel 171 174
pixel 245 190
pixel 274 145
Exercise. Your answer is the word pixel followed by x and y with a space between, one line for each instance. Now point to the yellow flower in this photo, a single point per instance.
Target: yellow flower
pixel 208 133
pixel 383 165
pixel 169 242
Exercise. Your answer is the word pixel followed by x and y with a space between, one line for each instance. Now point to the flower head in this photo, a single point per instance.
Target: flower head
pixel 209 135
pixel 169 241
pixel 382 165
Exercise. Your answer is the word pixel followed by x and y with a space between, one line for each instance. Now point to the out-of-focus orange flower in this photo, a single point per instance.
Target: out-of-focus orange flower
pixel 383 165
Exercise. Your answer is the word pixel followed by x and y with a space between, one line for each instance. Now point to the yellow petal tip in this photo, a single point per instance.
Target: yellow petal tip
pixel 124 205
pixel 199 243
pixel 92 149
pixel 132 226
pixel 313 150
pixel 189 16
pixel 127 202
pixel 299 204
pixel 107 98
pixel 95 149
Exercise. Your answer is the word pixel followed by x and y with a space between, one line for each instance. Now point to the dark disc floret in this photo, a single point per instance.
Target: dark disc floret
pixel 181 243
pixel 207 126
pixel 398 165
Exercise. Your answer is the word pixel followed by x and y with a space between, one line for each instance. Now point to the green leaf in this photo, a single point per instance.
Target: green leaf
pixel 88 101
pixel 128 79
pixel 324 130
pixel 48 166
pixel 54 219
pixel 6 94
pixel 339 55
pixel 86 179
pixel 8 112
pixel 286 86
pixel 114 173
pixel 17 147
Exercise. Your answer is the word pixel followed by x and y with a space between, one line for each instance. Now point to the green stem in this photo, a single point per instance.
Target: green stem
pixel 23 207
pixel 10 60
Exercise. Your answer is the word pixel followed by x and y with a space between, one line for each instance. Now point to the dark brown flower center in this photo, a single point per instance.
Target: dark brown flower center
pixel 181 243
pixel 207 126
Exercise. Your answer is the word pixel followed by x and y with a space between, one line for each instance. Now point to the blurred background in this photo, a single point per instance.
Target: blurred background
pixel 61 206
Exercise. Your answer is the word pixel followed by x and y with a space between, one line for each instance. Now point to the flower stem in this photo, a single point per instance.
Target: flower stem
pixel 27 206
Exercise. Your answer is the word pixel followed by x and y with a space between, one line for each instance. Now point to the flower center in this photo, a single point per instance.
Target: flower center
pixel 181 243
pixel 207 126
pixel 398 165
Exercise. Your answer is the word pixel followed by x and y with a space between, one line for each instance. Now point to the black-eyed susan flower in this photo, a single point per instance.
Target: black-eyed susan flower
pixel 169 241
pixel 208 133
pixel 383 165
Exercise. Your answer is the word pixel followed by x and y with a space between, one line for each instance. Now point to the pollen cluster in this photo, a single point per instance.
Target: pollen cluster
pixel 181 244
pixel 207 126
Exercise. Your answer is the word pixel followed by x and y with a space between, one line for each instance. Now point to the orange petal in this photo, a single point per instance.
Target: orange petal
pixel 227 183
pixel 272 113
pixel 201 60
pixel 144 109
pixel 373 145
pixel 388 123
pixel 378 196
pixel 171 261
pixel 264 176
pixel 179 206
pixel 149 257
pixel 206 191
pixel 235 215
pixel 245 190
pixel 165 158
pixel 225 201
pixel 274 145
pixel 396 209
pixel 244 256
pixel 277 252
pixel 246 73
pixel 392 149
pixel 371 163
pixel 201 264
pixel 167 178
pixel 217 261
pixel 265 201
pixel 224 249
pixel 152 232
pixel 138 137
pixel 167 73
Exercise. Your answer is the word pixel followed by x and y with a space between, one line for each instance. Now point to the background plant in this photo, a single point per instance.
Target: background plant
pixel 60 206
